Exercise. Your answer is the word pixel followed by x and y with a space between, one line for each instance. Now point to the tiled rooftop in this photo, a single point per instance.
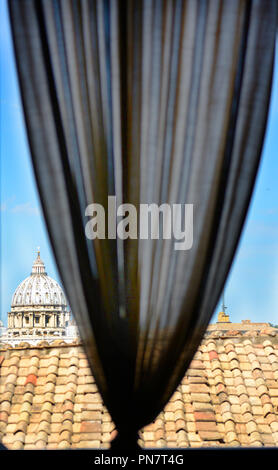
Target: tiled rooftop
pixel 228 397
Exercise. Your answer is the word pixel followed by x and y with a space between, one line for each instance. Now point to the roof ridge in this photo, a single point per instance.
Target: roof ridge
pixel 255 336
pixel 40 345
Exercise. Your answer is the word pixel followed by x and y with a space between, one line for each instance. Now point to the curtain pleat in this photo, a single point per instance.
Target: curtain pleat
pixel 155 102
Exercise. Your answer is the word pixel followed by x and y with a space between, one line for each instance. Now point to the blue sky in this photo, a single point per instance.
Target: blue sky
pixel 22 225
pixel 252 288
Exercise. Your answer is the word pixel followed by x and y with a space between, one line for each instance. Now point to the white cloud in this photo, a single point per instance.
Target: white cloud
pixel 25 208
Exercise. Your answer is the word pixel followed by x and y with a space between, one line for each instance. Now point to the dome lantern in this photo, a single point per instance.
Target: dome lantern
pixel 38 265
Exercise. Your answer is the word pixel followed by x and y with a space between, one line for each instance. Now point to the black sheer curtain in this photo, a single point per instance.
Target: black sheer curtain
pixel 155 102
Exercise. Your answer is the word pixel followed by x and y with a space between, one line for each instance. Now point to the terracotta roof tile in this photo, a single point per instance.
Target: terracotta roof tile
pixel 229 396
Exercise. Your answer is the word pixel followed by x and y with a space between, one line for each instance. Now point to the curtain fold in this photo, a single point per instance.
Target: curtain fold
pixel 154 102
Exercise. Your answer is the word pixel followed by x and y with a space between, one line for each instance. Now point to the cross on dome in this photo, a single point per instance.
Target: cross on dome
pixel 38 265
